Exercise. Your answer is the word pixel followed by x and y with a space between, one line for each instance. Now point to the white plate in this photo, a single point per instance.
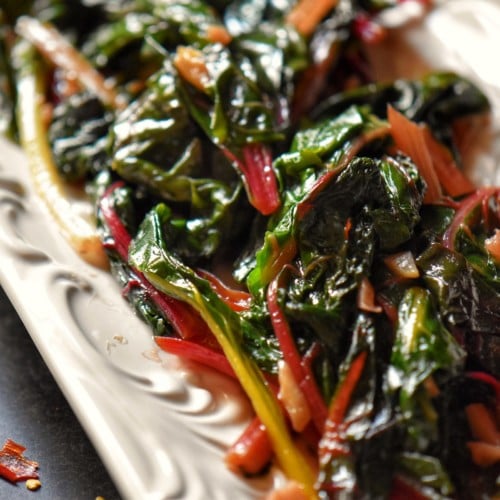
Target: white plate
pixel 161 428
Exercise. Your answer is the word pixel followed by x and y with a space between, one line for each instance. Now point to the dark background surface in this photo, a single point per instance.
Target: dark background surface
pixel 34 413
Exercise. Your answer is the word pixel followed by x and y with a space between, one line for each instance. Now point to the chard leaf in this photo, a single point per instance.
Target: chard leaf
pixel 468 303
pixel 324 297
pixel 272 56
pixel 359 445
pixel 437 99
pixel 156 145
pixel 327 135
pixel 259 339
pixel 465 297
pixel 149 253
pixel 155 142
pixel 80 150
pixel 300 169
pixel 133 44
pixel 245 16
pixel 421 347
pixel 434 221
pixel 428 470
pixel 120 47
pixel 389 190
pixel 233 111
pixel 126 209
pixel 315 145
pixel 189 20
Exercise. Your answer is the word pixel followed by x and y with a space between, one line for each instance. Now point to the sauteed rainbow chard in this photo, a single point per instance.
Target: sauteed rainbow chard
pixel 274 213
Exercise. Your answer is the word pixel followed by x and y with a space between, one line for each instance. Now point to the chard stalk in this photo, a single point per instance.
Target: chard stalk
pixel 149 254
pixel 77 230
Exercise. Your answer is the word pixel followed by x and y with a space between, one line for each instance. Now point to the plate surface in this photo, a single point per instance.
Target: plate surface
pixel 161 426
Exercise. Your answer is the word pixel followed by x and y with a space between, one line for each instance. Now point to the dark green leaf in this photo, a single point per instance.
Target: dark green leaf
pixel 421 347
pixel 428 470
pixel 78 137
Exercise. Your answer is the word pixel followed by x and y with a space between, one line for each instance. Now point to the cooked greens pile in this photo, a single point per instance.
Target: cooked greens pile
pixel 272 212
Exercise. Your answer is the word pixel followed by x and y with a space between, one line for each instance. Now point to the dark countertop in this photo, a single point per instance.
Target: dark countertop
pixel 34 413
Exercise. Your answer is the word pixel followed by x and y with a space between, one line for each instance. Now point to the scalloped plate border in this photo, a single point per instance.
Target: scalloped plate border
pixel 161 426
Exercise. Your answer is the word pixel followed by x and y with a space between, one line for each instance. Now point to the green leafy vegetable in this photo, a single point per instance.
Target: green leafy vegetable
pixel 150 255
pixel 254 208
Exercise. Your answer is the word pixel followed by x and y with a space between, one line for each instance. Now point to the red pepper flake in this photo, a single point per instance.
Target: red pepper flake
pixel 13 465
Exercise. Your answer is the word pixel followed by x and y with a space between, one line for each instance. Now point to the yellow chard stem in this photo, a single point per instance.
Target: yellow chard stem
pixel 77 230
pixel 263 400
